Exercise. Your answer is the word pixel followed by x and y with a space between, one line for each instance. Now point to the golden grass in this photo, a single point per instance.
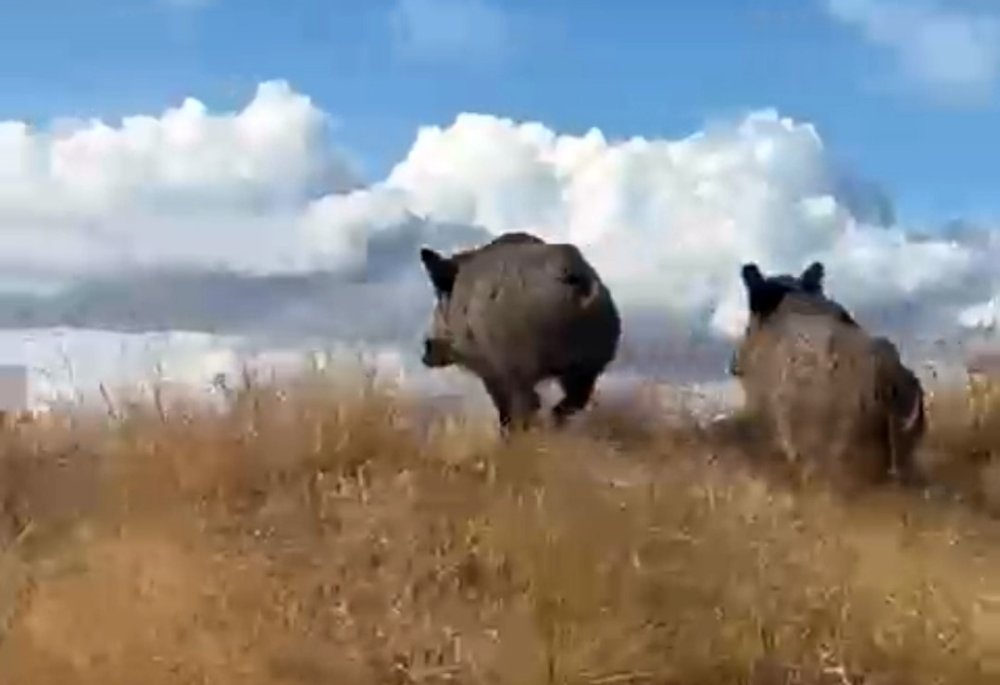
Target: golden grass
pixel 322 533
pixel 963 446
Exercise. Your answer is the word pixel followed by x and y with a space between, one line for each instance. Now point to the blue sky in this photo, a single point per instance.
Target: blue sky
pixel 880 100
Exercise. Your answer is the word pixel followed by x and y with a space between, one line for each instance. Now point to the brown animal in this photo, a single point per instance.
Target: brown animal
pixel 833 397
pixel 517 311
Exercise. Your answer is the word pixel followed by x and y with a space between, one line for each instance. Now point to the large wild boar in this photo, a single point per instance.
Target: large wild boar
pixel 518 311
pixel 832 396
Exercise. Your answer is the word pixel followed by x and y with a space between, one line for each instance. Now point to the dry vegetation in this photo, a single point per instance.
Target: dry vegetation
pixel 324 533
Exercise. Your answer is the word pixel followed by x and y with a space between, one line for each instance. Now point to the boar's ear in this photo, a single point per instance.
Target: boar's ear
pixel 752 277
pixel 812 278
pixel 763 295
pixel 442 271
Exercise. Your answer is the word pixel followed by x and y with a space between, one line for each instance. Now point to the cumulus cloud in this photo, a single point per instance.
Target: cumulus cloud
pixel 953 51
pixel 188 186
pixel 450 30
pixel 982 315
pixel 668 222
pixel 252 224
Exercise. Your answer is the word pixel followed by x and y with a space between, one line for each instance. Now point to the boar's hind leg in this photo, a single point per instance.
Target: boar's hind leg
pixel 501 400
pixel 577 386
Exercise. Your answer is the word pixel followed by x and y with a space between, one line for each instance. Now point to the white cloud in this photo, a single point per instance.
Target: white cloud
pixel 982 315
pixel 952 51
pixel 668 222
pixel 188 186
pixel 450 30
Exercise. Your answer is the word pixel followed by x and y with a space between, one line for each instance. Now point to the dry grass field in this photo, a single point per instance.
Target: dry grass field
pixel 319 532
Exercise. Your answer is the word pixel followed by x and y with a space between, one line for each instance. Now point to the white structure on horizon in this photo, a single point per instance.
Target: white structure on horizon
pixel 13 388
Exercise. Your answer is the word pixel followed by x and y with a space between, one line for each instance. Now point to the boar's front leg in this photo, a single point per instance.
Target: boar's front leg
pixel 516 402
pixel 524 402
pixel 500 396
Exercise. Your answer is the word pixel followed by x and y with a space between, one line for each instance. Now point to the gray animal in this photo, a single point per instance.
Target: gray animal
pixel 833 397
pixel 518 311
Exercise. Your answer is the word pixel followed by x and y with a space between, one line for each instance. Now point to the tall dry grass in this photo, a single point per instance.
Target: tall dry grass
pixel 962 451
pixel 319 532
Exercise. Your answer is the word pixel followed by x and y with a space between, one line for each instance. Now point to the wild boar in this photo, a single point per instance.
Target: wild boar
pixel 833 397
pixel 518 311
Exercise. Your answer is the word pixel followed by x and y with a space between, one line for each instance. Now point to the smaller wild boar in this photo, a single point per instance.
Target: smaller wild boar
pixel 518 311
pixel 826 390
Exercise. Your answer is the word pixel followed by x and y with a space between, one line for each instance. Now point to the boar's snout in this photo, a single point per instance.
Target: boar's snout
pixel 437 353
